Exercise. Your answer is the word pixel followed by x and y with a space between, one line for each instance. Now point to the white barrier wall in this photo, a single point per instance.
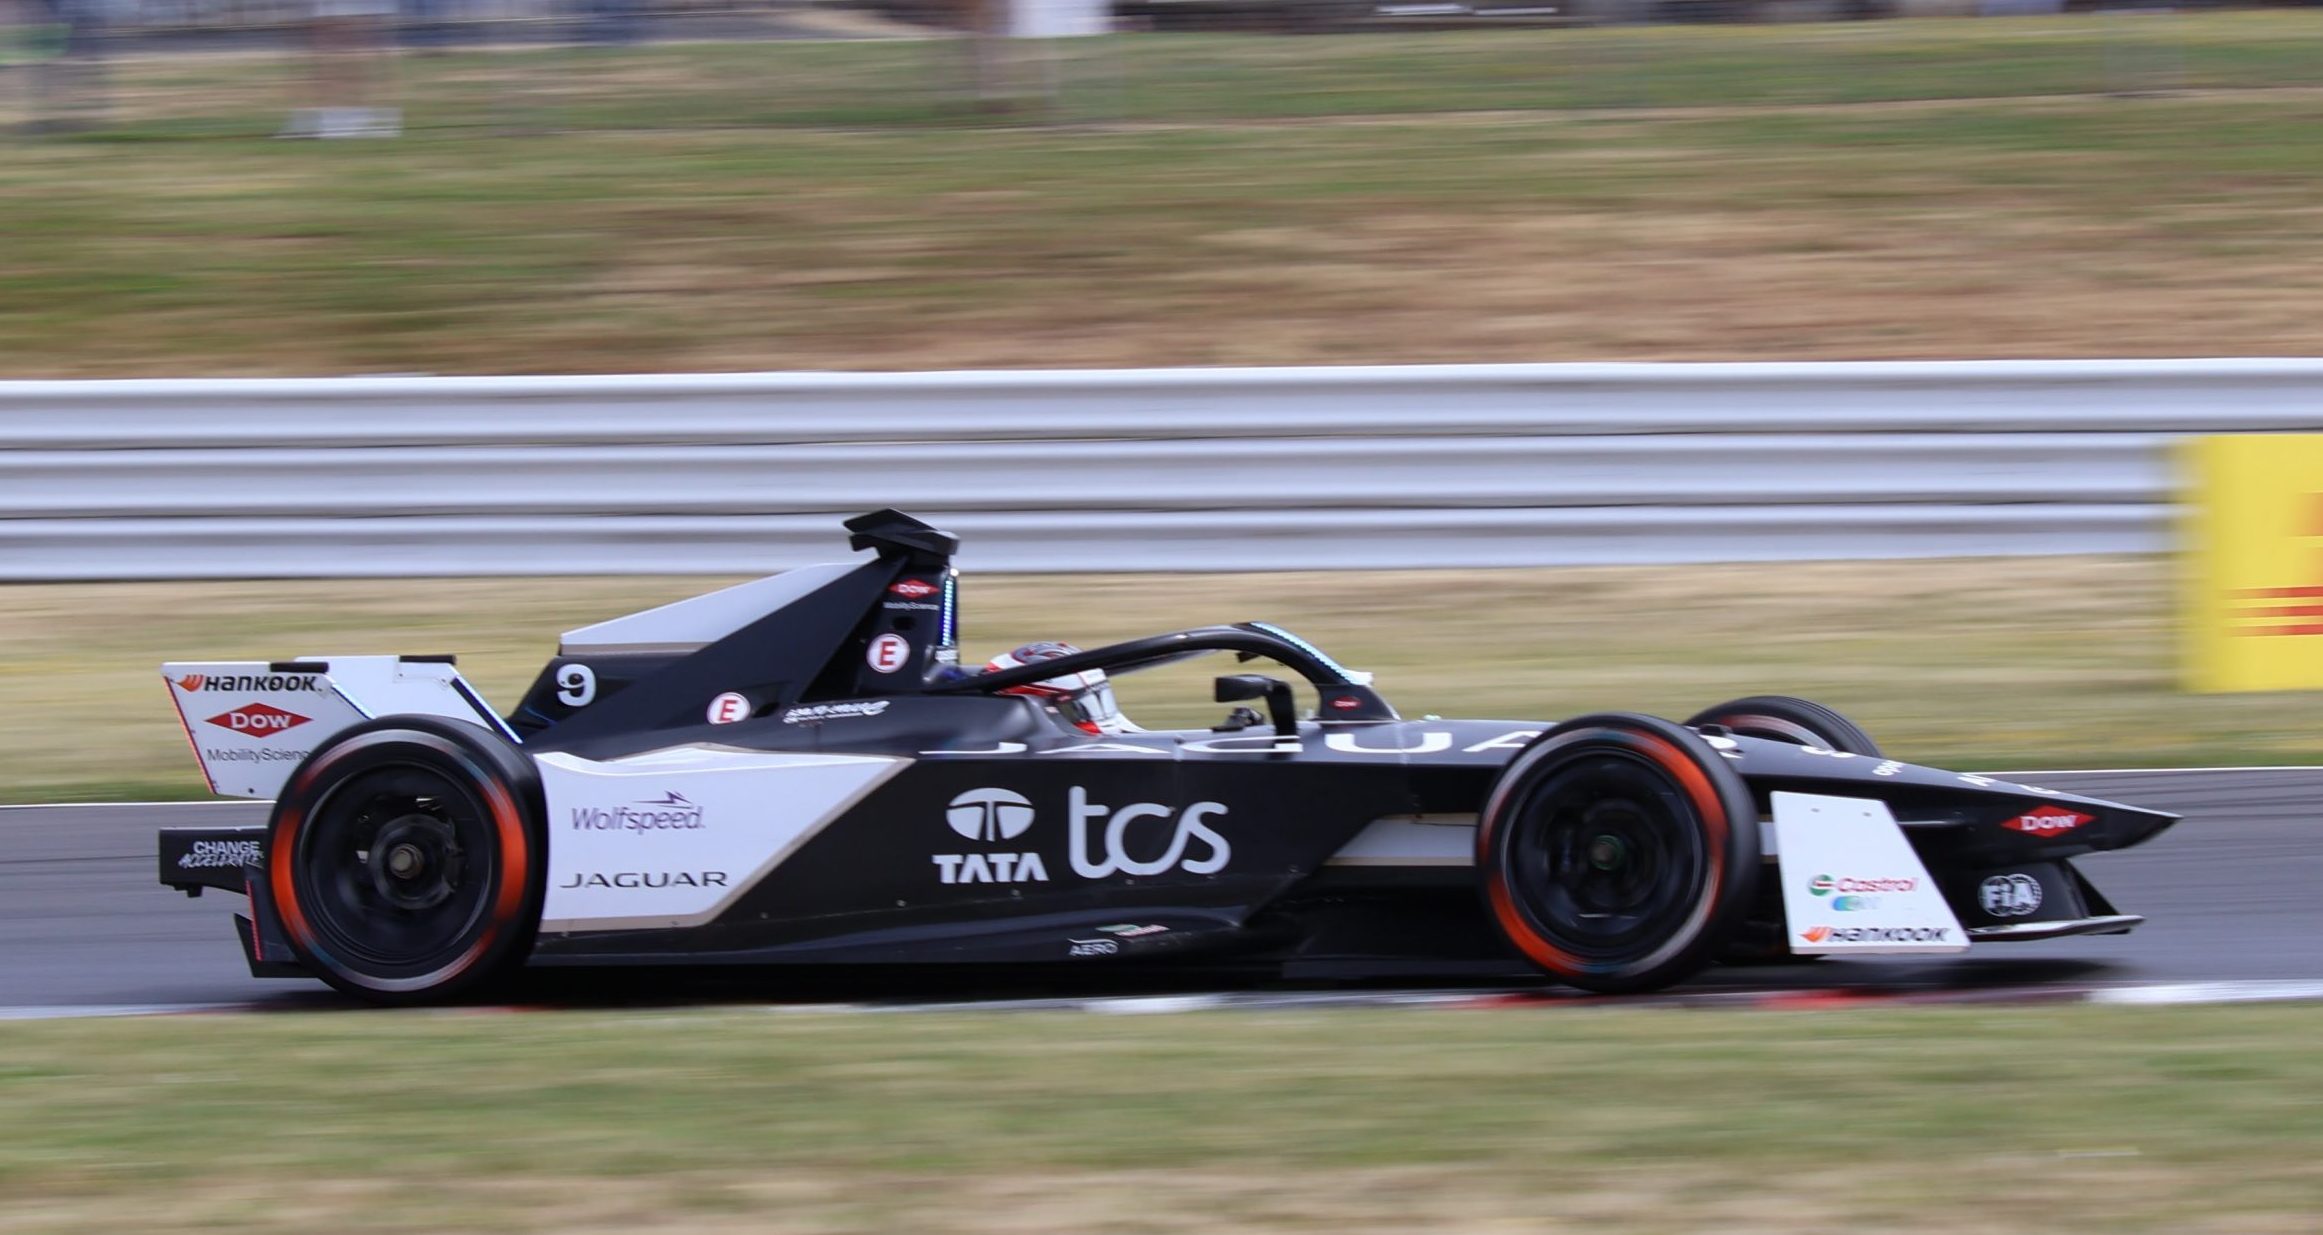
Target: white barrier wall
pixel 1223 469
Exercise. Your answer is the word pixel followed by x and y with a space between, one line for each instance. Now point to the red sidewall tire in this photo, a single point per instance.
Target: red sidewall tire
pixel 1718 805
pixel 502 784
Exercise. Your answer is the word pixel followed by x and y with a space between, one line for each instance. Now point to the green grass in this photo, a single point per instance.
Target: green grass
pixel 1891 1120
pixel 1992 664
pixel 1450 197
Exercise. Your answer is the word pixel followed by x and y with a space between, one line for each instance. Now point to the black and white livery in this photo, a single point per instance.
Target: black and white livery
pixel 798 770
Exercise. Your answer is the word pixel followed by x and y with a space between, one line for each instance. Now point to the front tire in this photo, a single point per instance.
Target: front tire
pixel 1764 939
pixel 1618 852
pixel 405 858
pixel 1801 722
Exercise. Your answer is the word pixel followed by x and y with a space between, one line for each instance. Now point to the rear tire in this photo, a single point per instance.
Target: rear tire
pixel 1781 718
pixel 405 858
pixel 1618 852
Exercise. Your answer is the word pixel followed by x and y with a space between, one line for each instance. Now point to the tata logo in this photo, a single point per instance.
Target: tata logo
pixel 258 720
pixel 1136 838
pixel 989 814
pixel 990 868
pixel 1131 840
pixel 2047 821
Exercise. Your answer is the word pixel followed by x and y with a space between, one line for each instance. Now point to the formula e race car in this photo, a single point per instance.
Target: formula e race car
pixel 797 770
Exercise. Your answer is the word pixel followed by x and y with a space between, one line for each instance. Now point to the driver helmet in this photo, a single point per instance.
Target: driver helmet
pixel 1084 699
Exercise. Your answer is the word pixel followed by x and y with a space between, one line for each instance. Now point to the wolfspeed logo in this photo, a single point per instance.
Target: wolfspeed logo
pixel 258 720
pixel 249 683
pixel 213 853
pixel 670 812
pixel 1876 934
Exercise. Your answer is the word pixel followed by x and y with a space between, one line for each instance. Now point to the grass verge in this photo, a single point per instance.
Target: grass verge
pixel 2027 1120
pixel 2012 664
pixel 1458 197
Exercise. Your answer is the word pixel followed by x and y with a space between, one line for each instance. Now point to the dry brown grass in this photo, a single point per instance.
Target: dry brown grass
pixel 1262 201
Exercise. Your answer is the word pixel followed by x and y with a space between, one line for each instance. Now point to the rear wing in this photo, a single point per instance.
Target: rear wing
pixel 251 722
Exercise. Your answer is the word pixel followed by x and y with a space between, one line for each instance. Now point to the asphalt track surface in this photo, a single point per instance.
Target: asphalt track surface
pixel 2231 894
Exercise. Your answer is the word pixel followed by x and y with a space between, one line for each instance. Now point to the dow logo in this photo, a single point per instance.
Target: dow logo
pixel 989 814
pixel 259 720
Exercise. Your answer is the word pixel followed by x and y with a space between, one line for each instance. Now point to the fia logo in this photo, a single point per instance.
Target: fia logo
pixel 2010 896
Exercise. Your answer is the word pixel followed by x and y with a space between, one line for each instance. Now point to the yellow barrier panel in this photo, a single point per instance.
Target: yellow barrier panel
pixel 2253 600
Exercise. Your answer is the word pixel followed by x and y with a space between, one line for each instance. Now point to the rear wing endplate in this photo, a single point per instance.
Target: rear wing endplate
pixel 252 722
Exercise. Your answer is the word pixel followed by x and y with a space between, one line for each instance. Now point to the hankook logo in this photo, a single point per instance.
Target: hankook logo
pixel 989 814
pixel 238 683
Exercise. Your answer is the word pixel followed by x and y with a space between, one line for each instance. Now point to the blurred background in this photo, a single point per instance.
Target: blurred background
pixel 677 185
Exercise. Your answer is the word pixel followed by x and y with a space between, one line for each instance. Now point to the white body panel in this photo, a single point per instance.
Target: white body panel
pixel 670 838
pixel 1851 882
pixel 684 625
pixel 250 725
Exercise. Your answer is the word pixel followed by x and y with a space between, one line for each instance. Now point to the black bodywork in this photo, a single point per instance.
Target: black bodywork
pixel 889 882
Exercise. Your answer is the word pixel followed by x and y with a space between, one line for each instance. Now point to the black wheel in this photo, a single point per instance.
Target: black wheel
pixel 1618 852
pixel 1801 722
pixel 406 862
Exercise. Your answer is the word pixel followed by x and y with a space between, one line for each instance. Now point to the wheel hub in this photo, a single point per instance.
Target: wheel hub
pixel 415 862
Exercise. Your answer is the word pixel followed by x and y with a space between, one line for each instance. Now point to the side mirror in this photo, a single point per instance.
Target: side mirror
pixel 1236 687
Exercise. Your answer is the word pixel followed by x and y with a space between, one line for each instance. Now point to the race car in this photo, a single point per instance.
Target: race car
pixel 799 770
